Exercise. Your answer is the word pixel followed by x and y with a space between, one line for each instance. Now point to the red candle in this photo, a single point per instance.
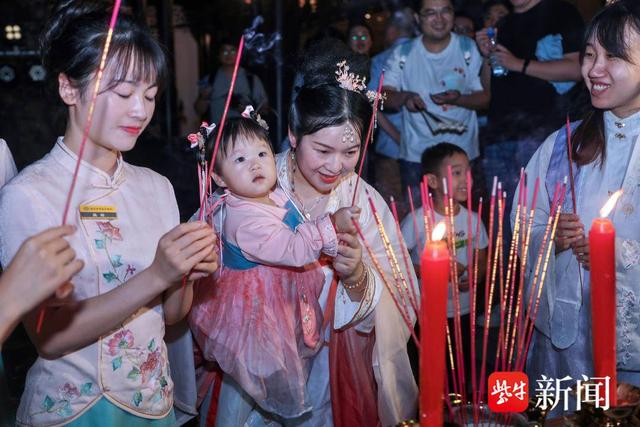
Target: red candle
pixel 434 269
pixel 603 297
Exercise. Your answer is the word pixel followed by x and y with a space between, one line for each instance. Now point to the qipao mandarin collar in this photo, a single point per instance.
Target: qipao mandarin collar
pixel 622 129
pixel 89 173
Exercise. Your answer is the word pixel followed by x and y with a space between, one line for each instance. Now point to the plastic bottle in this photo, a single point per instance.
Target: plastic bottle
pixel 497 69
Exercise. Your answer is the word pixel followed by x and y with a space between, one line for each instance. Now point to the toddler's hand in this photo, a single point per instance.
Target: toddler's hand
pixel 342 219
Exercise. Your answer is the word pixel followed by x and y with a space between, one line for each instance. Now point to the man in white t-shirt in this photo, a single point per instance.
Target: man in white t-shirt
pixel 437 72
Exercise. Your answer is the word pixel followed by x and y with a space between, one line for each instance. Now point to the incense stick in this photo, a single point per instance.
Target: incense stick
pixel 491 273
pixel 380 271
pixel 414 218
pixel 473 298
pixel 223 119
pixel 404 250
pixel 518 324
pixel 451 237
pixel 396 272
pixel 487 311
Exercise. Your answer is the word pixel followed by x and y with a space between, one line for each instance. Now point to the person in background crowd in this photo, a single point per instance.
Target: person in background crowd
pixel 493 11
pixel 359 38
pixel 463 25
pixel 436 73
pixel 214 87
pixel 400 29
pixel 538 45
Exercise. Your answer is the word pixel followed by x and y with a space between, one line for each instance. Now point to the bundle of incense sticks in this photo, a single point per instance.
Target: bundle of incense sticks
pixel 503 277
pixel 399 278
pixel 398 298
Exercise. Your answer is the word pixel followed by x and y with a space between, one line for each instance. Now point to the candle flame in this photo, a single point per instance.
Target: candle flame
pixel 438 231
pixel 611 203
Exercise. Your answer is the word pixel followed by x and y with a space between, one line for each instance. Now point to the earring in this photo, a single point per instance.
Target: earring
pixel 293 170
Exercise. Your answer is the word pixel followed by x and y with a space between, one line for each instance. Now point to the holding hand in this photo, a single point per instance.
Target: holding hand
pixel 342 219
pixel 348 262
pixel 414 102
pixel 483 42
pixel 507 59
pixel 43 265
pixel 187 247
pixel 569 231
pixel 448 97
pixel 582 252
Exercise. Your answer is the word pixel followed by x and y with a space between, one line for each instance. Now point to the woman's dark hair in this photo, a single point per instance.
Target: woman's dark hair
pixel 75 35
pixel 236 129
pixel 319 101
pixel 609 27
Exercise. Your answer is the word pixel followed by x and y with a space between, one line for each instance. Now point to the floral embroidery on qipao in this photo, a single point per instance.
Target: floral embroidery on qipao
pixel 146 365
pixel 66 395
pixel 107 234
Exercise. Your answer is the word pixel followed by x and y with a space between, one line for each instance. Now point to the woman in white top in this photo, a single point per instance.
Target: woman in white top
pixel 103 360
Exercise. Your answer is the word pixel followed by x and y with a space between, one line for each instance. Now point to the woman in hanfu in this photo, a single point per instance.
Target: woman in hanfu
pixel 362 377
pixel 606 158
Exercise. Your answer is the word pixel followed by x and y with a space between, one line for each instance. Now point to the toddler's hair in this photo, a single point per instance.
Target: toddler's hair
pixel 235 129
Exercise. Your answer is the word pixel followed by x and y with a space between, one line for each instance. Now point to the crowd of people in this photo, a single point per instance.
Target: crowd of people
pixel 270 307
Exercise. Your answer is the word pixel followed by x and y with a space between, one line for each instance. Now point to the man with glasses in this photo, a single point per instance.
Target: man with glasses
pixel 432 79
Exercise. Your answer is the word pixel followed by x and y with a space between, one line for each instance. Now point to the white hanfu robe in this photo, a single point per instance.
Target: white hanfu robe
pixel 562 344
pixel 397 391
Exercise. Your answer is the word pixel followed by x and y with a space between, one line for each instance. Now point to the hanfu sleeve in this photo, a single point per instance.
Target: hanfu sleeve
pixel 397 393
pixel 267 241
pixel 559 296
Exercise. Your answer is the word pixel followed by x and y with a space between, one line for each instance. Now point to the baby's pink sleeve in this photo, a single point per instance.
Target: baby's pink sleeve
pixel 270 242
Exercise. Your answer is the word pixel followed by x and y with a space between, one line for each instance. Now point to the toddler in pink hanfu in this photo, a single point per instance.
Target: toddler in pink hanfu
pixel 259 318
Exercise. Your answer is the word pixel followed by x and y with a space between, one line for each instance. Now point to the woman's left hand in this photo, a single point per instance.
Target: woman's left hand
pixel 349 257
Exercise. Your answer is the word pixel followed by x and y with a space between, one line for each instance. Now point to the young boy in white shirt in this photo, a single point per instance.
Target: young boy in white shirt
pixel 435 162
